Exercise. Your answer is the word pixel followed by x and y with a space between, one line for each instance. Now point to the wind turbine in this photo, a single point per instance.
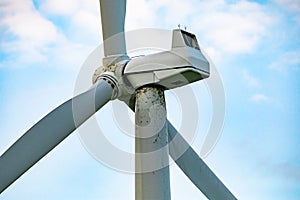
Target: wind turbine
pixel 140 83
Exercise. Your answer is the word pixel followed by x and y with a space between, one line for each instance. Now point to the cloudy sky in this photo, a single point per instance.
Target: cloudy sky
pixel 255 46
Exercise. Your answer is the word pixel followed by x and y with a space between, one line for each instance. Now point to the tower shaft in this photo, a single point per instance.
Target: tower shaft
pixel 152 179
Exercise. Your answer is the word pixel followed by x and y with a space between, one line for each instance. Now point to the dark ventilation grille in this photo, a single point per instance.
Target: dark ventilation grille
pixel 190 40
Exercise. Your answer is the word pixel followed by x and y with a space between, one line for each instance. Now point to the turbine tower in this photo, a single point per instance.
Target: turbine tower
pixel 139 82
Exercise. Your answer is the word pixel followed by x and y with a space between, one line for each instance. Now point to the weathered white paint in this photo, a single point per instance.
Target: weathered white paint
pixel 151 135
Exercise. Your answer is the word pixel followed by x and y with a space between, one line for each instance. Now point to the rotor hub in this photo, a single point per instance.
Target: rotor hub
pixel 113 73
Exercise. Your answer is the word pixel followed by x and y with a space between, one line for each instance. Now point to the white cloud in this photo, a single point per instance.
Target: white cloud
pixel 140 14
pixel 288 61
pixel 28 24
pixel 26 31
pixel 82 17
pixel 67 8
pixel 85 26
pixel 233 28
pixel 293 5
pixel 259 98
pixel 57 7
pixel 249 80
pixel 30 38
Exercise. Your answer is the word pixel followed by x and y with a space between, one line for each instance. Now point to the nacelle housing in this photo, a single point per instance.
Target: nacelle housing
pixel 182 65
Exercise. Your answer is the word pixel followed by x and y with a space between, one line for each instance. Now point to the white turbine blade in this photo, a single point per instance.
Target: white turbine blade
pixel 50 131
pixel 113 19
pixel 195 168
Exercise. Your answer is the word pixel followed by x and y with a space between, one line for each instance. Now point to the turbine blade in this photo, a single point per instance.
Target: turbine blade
pixel 113 19
pixel 195 168
pixel 50 131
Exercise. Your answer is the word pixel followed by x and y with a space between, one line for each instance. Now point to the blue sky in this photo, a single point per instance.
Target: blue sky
pixel 255 46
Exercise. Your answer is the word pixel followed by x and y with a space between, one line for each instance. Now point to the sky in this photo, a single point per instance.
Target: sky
pixel 255 46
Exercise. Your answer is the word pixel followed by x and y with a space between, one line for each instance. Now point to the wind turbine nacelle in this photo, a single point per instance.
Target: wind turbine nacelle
pixel 182 65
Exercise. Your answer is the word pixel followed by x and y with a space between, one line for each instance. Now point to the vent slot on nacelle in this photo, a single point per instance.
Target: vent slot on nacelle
pixel 190 40
pixel 183 38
